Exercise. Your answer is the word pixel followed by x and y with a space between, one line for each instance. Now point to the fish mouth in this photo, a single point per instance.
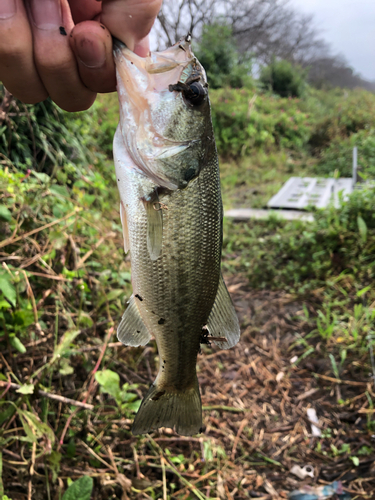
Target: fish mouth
pixel 147 87
pixel 159 69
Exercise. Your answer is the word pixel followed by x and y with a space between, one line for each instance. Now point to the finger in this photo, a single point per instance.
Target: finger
pixel 84 10
pixel 92 45
pixel 54 58
pixel 17 68
pixel 130 20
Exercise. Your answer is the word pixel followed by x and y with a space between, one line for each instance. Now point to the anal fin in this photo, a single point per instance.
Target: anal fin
pixel 125 230
pixel 131 330
pixel 222 321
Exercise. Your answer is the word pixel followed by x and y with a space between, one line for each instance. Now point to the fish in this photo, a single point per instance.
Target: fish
pixel 171 212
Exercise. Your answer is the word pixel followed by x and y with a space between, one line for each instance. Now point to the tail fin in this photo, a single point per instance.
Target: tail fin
pixel 181 410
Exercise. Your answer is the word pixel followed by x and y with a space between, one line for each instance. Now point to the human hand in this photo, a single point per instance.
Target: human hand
pixel 59 48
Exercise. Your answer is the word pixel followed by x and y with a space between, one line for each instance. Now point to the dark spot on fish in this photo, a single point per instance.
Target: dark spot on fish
pixel 138 331
pixel 138 297
pixel 161 322
pixel 158 395
pixel 153 312
pixel 62 31
pixel 118 180
pixel 131 62
pixel 103 27
pixel 164 361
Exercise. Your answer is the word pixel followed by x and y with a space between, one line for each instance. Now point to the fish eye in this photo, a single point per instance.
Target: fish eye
pixel 195 94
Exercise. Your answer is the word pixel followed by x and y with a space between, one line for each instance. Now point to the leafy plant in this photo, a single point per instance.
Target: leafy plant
pixel 218 54
pixel 80 489
pixel 284 78
pixel 109 382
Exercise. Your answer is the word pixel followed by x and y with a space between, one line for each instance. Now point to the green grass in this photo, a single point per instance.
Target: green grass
pixel 63 288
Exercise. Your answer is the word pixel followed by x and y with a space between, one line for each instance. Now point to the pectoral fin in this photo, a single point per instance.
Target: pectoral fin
pixel 154 228
pixel 222 321
pixel 125 230
pixel 132 331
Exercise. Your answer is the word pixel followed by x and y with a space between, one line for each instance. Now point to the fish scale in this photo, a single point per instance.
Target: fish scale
pixel 168 178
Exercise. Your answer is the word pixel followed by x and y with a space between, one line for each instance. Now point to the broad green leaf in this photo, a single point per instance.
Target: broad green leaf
pixel 42 177
pixel 109 381
pixel 34 427
pixel 80 489
pixel 17 344
pixel 8 413
pixel 362 228
pixel 5 214
pixel 65 368
pixel 26 389
pixel 363 291
pixel 60 190
pixel 355 461
pixel 7 287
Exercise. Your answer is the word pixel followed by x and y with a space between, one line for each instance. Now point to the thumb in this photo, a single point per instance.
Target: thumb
pixel 130 21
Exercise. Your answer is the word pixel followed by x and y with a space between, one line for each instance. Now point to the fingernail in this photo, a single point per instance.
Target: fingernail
pixel 46 14
pixel 142 48
pixel 91 53
pixel 7 9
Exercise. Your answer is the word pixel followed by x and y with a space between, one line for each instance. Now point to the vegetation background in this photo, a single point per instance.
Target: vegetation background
pixel 70 389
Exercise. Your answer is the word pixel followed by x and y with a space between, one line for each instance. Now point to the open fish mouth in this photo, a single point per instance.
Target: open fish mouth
pixel 153 92
pixel 160 69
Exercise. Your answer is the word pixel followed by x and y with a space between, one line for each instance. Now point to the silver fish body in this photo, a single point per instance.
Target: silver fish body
pixel 168 178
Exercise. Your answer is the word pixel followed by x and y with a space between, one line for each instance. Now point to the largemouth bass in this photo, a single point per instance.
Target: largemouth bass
pixel 171 211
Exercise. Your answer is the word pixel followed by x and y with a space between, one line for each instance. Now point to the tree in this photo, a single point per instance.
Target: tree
pixel 218 54
pixel 284 79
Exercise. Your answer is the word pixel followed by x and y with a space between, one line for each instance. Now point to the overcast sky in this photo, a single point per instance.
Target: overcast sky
pixel 349 26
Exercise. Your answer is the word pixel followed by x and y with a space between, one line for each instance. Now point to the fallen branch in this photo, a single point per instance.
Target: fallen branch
pixel 49 395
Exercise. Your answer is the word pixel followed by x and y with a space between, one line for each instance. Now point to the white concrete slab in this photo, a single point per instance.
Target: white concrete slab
pixel 301 192
pixel 243 214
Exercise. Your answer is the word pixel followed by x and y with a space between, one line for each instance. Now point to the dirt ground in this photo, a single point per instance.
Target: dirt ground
pixel 255 402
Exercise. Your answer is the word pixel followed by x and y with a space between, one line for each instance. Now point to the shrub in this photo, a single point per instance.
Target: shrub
pixel 284 79
pixel 348 113
pixel 301 256
pixel 41 137
pixel 243 121
pixel 339 155
pixel 218 54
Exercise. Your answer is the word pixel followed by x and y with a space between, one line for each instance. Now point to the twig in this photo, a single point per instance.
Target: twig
pixel 235 444
pixel 11 240
pixel 49 276
pixel 91 385
pixel 31 472
pixel 164 476
pixel 92 250
pixel 171 467
pixel 339 381
pixel 196 481
pixel 30 294
pixel 92 452
pixel 49 395
pixel 225 408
